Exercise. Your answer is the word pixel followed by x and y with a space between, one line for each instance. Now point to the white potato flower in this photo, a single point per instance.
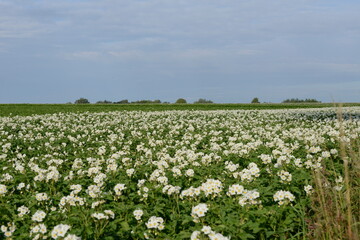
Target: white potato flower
pixel 59 231
pixel 72 237
pixel 190 172
pixel 8 229
pixel 3 189
pixel 283 197
pixel 41 196
pixel 308 189
pixel 199 210
pixel 130 171
pixel 23 210
pixel 138 214
pixel 119 188
pixel 155 222
pixel 38 216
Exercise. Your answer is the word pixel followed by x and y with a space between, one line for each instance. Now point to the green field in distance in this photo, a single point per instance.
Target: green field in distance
pixel 30 109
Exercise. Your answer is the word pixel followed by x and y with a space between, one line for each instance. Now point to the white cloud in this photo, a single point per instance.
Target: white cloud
pixel 82 55
pixel 17 27
pixel 353 68
pixel 198 53
pixel 248 52
pixel 3 47
pixel 341 67
pixel 126 54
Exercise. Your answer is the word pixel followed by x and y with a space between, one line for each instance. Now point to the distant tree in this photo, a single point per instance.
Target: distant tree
pixel 296 100
pixel 181 100
pixel 146 101
pixel 140 101
pixel 203 100
pixel 125 101
pixel 255 100
pixel 82 101
pixel 103 102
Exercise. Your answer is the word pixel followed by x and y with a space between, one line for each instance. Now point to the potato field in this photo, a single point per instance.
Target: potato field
pixel 235 174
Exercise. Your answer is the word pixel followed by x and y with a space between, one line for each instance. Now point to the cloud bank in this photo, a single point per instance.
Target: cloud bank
pixel 228 51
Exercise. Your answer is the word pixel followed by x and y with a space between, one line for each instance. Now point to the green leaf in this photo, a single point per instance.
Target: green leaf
pixel 246 236
pixel 184 234
pixel 108 238
pixel 125 226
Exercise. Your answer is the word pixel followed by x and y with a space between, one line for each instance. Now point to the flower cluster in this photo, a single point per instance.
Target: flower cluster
pixel 211 187
pixel 138 214
pixel 38 216
pixel 71 200
pixel 250 173
pixel 37 230
pixel 94 191
pixel 283 197
pixel 23 210
pixel 170 190
pixel 266 158
pixel 199 211
pixel 235 189
pixel 209 233
pixel 339 183
pixel 249 198
pixel 119 188
pixel 41 196
pixel 106 215
pixel 3 189
pixel 8 230
pixel 308 189
pixel 285 176
pixel 190 193
pixel 155 223
pixel 59 231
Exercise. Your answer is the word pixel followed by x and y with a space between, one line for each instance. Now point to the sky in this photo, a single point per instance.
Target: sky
pixel 228 51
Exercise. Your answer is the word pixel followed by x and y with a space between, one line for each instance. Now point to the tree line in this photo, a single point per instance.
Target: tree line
pixel 183 101
pixel 296 100
pixel 125 101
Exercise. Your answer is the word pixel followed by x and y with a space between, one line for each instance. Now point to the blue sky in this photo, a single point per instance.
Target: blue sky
pixel 56 51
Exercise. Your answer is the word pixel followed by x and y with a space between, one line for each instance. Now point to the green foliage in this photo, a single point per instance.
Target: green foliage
pixel 103 102
pixel 181 100
pixel 203 100
pixel 296 100
pixel 146 101
pixel 125 101
pixel 82 101
pixel 255 100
